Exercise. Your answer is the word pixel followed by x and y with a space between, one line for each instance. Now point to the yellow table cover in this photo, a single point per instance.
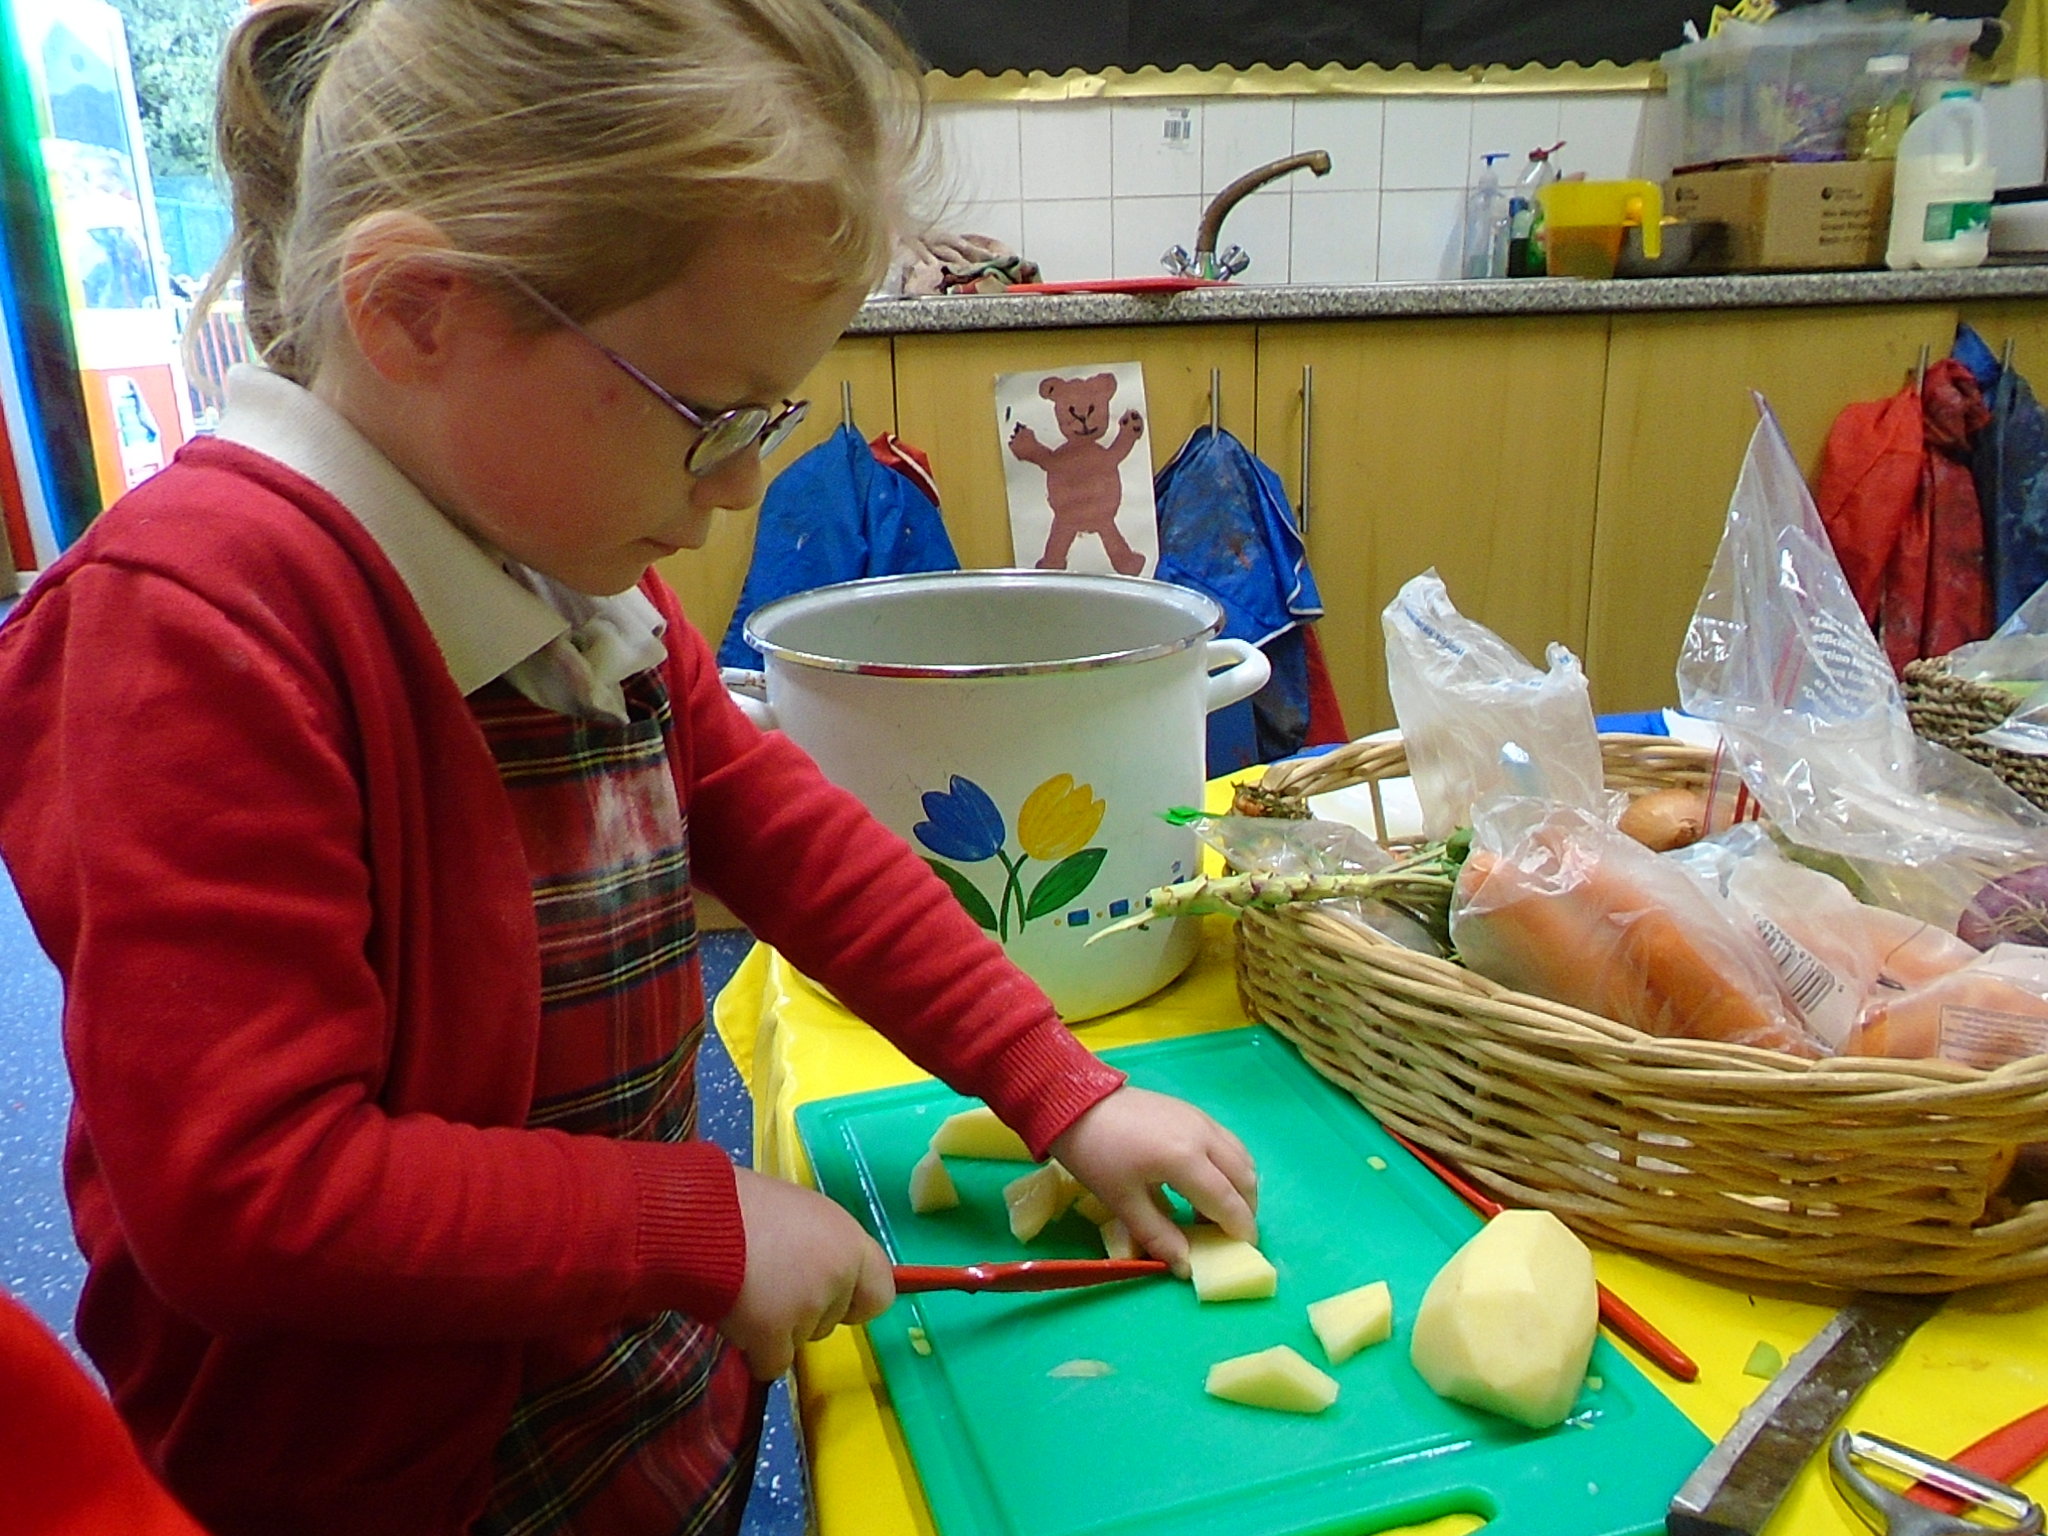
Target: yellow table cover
pixel 1979 1363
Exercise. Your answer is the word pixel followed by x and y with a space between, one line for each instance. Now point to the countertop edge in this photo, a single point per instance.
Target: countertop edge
pixel 1249 303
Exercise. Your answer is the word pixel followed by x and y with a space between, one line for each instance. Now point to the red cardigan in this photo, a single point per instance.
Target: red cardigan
pixel 66 1463
pixel 260 834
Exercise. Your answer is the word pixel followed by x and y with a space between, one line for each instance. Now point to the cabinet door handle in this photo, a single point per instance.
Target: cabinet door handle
pixel 1308 407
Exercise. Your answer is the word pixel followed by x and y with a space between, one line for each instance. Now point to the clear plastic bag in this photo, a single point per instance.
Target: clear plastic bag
pixel 1990 1012
pixel 1832 952
pixel 1274 845
pixel 1779 656
pixel 2016 652
pixel 1461 694
pixel 1554 901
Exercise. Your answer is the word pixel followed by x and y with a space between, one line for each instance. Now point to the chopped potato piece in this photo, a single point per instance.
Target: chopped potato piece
pixel 1117 1241
pixel 1081 1370
pixel 1275 1378
pixel 1225 1269
pixel 1508 1324
pixel 1350 1320
pixel 978 1133
pixel 1037 1198
pixel 931 1187
pixel 918 1342
pixel 1092 1209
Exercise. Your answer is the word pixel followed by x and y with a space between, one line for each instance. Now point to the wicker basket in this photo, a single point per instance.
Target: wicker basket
pixel 1853 1173
pixel 1949 710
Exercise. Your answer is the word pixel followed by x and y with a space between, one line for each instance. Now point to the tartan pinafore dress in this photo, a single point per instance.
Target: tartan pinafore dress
pixel 650 1426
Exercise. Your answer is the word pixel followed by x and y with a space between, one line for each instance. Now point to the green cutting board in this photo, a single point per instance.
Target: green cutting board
pixel 1004 1449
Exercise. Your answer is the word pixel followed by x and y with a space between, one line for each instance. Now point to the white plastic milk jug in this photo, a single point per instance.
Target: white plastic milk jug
pixel 1941 200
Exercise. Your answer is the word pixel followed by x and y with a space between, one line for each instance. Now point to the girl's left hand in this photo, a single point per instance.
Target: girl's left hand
pixel 1127 1145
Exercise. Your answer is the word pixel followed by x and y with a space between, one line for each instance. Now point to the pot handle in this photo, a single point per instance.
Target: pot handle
pixel 1241 681
pixel 749 690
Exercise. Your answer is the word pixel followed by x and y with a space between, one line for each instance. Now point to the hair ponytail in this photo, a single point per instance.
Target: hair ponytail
pixel 274 58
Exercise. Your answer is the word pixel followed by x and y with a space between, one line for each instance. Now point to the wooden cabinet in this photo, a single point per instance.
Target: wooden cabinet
pixel 707 581
pixel 1678 416
pixel 1567 475
pixel 1468 445
pixel 945 405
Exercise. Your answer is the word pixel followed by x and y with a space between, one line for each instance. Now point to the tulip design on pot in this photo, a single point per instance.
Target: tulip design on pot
pixel 1053 827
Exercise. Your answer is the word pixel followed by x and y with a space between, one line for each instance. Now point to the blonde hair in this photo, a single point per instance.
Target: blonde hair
pixel 579 146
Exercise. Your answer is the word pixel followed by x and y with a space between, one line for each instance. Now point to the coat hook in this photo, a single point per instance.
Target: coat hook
pixel 846 403
pixel 2005 359
pixel 1215 397
pixel 1920 373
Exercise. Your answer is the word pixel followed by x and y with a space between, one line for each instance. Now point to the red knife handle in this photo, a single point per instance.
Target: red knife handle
pixel 1024 1275
pixel 2004 1454
pixel 1614 1312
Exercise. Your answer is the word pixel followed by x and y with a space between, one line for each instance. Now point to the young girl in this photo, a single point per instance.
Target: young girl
pixel 358 775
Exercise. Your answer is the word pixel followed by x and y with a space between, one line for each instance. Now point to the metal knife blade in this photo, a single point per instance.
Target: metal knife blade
pixel 1745 1476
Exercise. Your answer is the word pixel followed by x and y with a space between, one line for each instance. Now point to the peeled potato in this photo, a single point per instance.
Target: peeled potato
pixel 1037 1198
pixel 1275 1378
pixel 1507 1325
pixel 1117 1242
pixel 978 1133
pixel 1092 1209
pixel 1349 1321
pixel 931 1187
pixel 1225 1269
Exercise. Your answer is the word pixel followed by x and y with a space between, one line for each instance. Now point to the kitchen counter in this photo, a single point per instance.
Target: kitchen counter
pixel 1978 1364
pixel 1248 302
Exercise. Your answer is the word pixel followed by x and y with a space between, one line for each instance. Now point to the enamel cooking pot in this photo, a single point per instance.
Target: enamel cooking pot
pixel 1022 731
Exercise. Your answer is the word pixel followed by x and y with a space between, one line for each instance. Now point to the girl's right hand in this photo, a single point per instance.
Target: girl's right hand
pixel 810 1267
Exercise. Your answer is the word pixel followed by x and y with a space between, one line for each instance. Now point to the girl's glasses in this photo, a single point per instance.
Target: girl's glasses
pixel 721 435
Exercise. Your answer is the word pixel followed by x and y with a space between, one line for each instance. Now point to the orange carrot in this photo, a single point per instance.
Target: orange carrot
pixel 1608 945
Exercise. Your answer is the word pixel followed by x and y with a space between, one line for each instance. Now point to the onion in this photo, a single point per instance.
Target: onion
pixel 1666 819
pixel 2012 909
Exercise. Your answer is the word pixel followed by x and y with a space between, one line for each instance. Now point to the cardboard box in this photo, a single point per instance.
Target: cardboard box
pixel 1788 216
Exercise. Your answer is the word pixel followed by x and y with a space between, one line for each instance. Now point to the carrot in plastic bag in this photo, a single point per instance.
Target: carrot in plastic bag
pixel 1566 908
pixel 1992 1011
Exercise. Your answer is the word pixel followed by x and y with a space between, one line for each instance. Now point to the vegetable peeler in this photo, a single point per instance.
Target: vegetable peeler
pixel 1024 1275
pixel 1894 1514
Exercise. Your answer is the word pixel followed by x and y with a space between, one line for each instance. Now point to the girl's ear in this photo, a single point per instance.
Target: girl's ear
pixel 401 297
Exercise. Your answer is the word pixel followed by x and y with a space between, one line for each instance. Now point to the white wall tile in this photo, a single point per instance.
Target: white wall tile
pixel 1349 127
pixel 1143 227
pixel 1157 147
pixel 1418 235
pixel 1066 150
pixel 2018 114
pixel 1336 237
pixel 1068 237
pixel 1002 221
pixel 1239 135
pixel 1600 134
pixel 1514 125
pixel 1263 225
pixel 1428 142
pixel 979 151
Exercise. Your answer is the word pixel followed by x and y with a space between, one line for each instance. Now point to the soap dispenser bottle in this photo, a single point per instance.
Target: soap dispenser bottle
pixel 1525 213
pixel 1486 223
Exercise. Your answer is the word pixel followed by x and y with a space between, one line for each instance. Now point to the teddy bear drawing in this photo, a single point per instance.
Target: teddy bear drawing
pixel 1083 482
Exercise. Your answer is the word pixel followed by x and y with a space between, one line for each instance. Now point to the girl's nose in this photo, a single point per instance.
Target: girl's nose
pixel 732 486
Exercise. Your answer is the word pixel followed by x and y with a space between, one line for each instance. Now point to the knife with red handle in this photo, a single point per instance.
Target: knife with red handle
pixel 2004 1454
pixel 1614 1312
pixel 1024 1275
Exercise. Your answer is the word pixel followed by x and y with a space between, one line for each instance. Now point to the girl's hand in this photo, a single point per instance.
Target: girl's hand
pixel 1127 1145
pixel 810 1267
